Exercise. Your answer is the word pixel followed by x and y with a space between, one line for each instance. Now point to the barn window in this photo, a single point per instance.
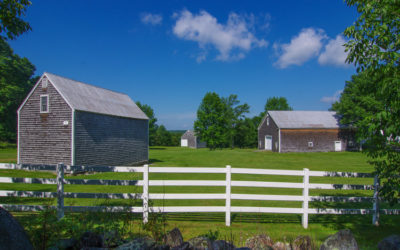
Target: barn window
pixel 310 144
pixel 267 121
pixel 44 104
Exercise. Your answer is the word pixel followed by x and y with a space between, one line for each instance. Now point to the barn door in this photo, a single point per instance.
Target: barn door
pixel 338 146
pixel 268 142
pixel 184 142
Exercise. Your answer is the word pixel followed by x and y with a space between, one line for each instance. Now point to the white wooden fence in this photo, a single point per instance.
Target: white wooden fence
pixel 227 196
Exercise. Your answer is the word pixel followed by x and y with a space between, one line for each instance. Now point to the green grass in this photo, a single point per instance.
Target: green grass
pixel 243 225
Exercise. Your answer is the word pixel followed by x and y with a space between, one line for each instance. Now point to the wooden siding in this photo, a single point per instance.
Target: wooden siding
pixel 272 130
pixel 109 140
pixel 43 139
pixel 296 140
pixel 192 143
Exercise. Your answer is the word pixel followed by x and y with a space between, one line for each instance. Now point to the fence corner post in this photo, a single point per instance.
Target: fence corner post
pixel 145 195
pixel 60 191
pixel 228 197
pixel 375 208
pixel 306 182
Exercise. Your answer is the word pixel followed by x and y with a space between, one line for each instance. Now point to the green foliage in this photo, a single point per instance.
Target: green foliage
pixel 11 24
pixel 374 36
pixel 152 122
pixel 246 133
pixel 15 83
pixel 163 137
pixel 212 235
pixel 211 124
pixel 374 47
pixel 368 105
pixel 234 115
pixel 275 103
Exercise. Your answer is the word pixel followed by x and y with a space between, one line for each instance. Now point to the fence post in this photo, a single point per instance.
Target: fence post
pixel 228 196
pixel 375 215
pixel 145 195
pixel 60 191
pixel 306 182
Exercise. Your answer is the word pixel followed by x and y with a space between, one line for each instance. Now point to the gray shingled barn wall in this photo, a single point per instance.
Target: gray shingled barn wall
pixel 190 138
pixel 43 139
pixel 272 130
pixel 109 140
pixel 296 140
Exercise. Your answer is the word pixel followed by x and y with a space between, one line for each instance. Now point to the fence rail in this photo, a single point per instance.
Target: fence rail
pixel 305 186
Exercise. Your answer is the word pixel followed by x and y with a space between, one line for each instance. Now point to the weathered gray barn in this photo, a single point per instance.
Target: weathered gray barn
pixel 189 139
pixel 303 131
pixel 62 120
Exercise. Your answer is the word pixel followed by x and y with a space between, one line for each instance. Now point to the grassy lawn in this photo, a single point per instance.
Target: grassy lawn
pixel 277 226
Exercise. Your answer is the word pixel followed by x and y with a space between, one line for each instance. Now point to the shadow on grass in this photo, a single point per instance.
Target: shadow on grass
pixel 154 161
pixel 157 148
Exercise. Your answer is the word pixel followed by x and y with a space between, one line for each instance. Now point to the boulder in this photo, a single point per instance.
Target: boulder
pixel 12 235
pixel 183 246
pixel 200 243
pixel 138 244
pixel 281 246
pixel 390 243
pixel 222 245
pixel 90 239
pixel 302 243
pixel 343 239
pixel 259 242
pixel 173 238
pixel 66 243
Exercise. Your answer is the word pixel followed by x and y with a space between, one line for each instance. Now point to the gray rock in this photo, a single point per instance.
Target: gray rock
pixel 343 239
pixel 173 238
pixel 66 244
pixel 12 234
pixel 302 243
pixel 390 243
pixel 138 244
pixel 281 246
pixel 200 243
pixel 183 246
pixel 222 245
pixel 259 242
pixel 90 239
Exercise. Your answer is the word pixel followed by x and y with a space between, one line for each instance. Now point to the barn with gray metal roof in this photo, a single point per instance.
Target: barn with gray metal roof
pixel 63 120
pixel 304 131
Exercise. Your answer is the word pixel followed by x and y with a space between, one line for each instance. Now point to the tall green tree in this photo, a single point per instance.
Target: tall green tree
pixel 163 137
pixel 234 114
pixel 152 122
pixel 246 134
pixel 11 23
pixel 16 80
pixel 374 47
pixel 276 103
pixel 211 124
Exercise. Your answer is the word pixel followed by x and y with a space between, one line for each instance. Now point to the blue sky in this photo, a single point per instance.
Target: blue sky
pixel 168 54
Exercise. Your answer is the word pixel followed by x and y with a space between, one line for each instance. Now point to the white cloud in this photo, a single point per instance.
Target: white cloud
pixel 332 99
pixel 153 19
pixel 334 53
pixel 232 40
pixel 301 48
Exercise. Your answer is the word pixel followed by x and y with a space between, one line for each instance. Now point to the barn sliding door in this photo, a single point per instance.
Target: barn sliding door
pixel 268 142
pixel 338 146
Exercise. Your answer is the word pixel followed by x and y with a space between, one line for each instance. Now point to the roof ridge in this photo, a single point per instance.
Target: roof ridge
pixel 91 85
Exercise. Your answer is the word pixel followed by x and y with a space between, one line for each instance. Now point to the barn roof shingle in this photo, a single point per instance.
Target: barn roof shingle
pixel 305 119
pixel 85 97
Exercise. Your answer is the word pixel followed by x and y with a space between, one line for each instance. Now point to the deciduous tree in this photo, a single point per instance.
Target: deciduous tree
pixel 11 23
pixel 152 122
pixel 371 101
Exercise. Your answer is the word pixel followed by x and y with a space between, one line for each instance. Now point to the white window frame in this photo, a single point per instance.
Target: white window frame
pixel 310 144
pixel 47 106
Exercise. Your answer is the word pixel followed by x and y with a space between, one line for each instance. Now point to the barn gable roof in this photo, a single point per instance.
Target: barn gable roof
pixel 305 119
pixel 188 133
pixel 85 97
